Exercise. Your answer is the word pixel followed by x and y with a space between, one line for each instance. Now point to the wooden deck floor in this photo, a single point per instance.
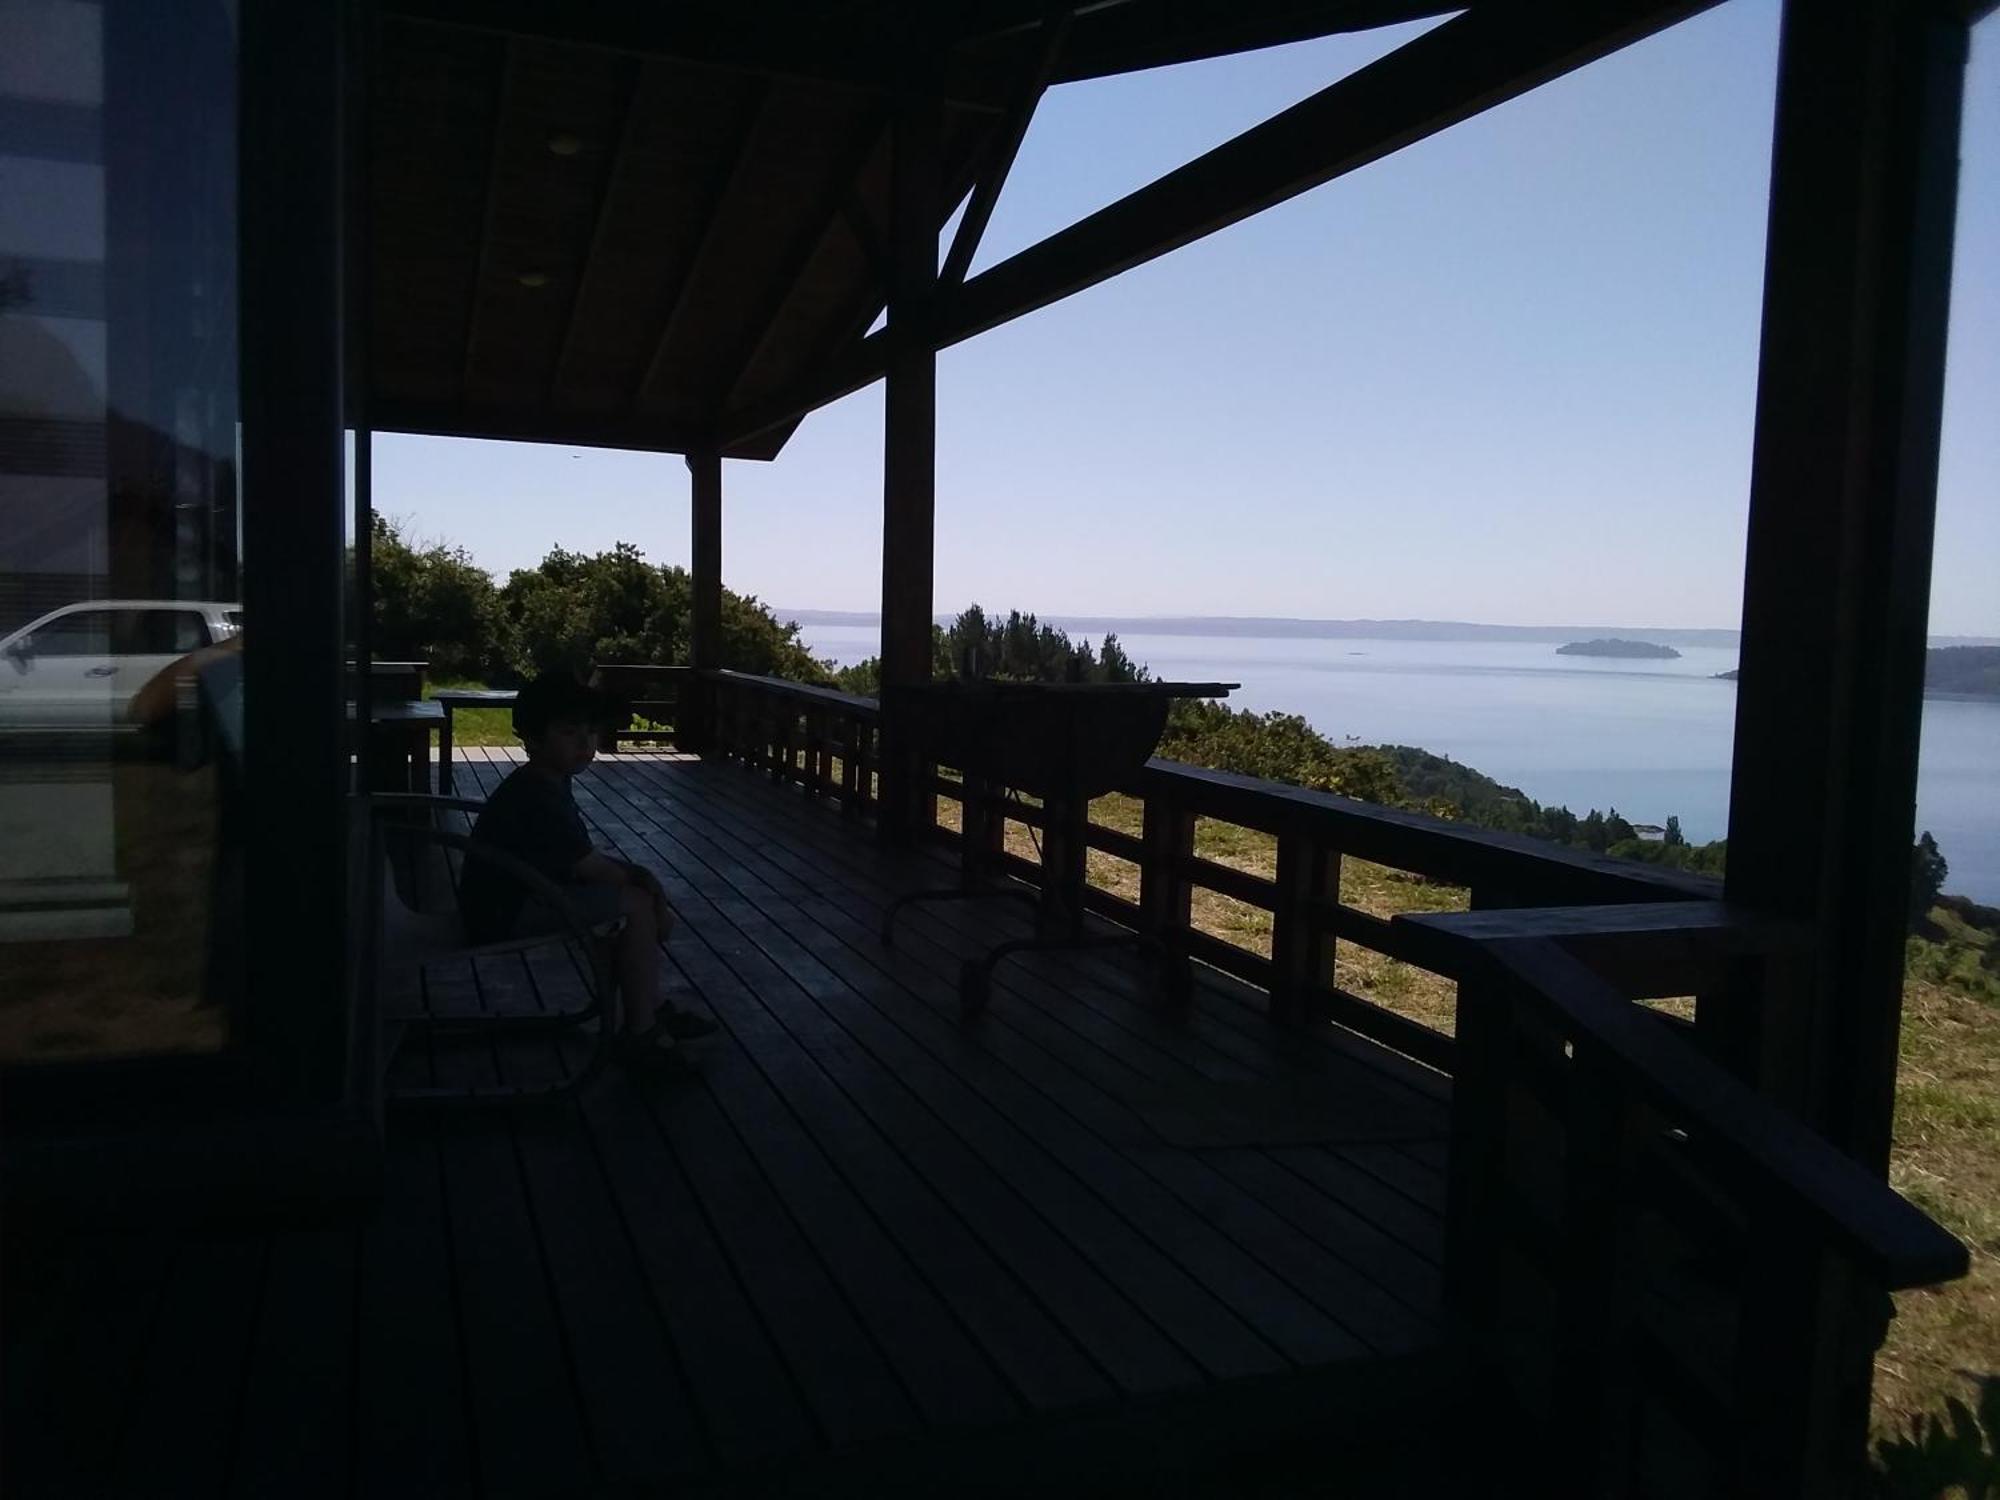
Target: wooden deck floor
pixel 871 1246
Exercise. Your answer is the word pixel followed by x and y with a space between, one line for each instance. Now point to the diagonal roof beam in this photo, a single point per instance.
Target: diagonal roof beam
pixel 821 222
pixel 488 214
pixel 723 184
pixel 1482 58
pixel 1477 60
pixel 1006 146
pixel 613 169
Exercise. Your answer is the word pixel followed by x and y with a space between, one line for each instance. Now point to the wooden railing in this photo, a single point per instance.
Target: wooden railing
pixel 1677 1286
pixel 1680 1287
pixel 827 742
pixel 670 697
pixel 1313 833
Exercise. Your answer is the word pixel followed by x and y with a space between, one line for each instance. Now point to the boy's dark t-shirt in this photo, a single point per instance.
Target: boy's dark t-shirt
pixel 534 818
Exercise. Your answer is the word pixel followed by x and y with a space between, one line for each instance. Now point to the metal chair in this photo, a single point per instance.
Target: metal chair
pixel 418 924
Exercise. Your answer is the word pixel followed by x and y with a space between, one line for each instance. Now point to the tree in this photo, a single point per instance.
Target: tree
pixel 572 610
pixel 1673 839
pixel 432 603
pixel 1927 876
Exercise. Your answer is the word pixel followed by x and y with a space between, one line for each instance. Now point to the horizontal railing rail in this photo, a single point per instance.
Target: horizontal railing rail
pixel 1313 832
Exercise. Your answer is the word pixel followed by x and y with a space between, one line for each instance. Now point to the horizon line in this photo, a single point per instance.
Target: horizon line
pixel 811 615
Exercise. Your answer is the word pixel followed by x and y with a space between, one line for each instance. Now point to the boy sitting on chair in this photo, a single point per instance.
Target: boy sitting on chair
pixel 533 816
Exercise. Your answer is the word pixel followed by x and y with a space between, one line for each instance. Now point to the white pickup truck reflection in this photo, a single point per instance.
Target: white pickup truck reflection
pixel 78 667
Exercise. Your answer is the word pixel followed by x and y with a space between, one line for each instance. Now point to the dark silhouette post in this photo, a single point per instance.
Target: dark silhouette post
pixel 1842 499
pixel 705 617
pixel 909 463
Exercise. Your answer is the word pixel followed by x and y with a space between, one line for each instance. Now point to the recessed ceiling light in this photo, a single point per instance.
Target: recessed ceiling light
pixel 533 278
pixel 562 143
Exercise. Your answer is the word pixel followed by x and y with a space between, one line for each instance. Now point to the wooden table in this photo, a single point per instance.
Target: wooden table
pixel 451 699
pixel 400 744
pixel 1062 742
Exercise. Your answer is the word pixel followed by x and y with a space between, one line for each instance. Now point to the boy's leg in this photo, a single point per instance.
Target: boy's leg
pixel 636 961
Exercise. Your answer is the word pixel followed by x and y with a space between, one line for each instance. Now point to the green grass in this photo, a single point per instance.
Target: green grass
pixel 475 726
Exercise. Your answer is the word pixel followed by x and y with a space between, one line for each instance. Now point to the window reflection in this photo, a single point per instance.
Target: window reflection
pixel 119 533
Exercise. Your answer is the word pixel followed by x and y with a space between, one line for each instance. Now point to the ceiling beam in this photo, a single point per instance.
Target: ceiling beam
pixel 449 419
pixel 1480 59
pixel 817 45
pixel 1008 135
pixel 614 166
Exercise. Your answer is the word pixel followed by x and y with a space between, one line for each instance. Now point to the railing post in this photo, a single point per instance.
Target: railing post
pixel 1807 1334
pixel 854 734
pixel 1591 1395
pixel 1475 1186
pixel 1302 946
pixel 982 832
pixel 1166 899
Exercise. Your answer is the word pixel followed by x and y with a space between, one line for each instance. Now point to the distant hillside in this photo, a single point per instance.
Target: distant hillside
pixel 1968 671
pixel 1286 628
pixel 1952 671
pixel 1613 646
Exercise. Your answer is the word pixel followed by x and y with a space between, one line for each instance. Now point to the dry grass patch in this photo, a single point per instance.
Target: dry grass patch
pixel 1946 1160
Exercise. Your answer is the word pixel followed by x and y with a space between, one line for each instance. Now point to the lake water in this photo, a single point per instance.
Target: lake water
pixel 1650 738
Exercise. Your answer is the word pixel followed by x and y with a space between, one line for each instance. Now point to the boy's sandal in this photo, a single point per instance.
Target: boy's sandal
pixel 654 1050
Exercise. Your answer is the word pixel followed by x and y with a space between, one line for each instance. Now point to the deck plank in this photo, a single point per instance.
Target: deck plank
pixel 856 1394
pixel 412 1426
pixel 71 1436
pixel 1330 1283
pixel 869 1243
pixel 748 1401
pixel 187 1410
pixel 1264 1300
pixel 528 1430
pixel 295 1433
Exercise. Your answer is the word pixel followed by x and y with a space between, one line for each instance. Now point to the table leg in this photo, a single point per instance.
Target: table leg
pixel 444 754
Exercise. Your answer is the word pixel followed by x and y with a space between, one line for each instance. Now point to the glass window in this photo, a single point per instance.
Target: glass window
pixel 162 632
pixel 84 634
pixel 120 879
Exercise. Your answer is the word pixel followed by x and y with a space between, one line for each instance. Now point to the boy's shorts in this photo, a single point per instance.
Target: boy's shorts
pixel 599 907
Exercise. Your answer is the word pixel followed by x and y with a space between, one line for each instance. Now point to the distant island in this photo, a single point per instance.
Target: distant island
pixel 1613 646
pixel 1951 672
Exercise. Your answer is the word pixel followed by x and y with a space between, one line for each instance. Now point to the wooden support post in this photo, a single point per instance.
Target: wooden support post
pixel 1292 927
pixel 291 869
pixel 1842 496
pixel 1166 898
pixel 696 709
pixel 909 460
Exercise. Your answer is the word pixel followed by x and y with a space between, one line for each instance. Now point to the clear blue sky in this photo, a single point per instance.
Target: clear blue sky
pixel 1505 375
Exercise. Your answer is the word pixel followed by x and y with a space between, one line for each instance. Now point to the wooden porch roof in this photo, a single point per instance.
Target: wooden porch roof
pixel 615 227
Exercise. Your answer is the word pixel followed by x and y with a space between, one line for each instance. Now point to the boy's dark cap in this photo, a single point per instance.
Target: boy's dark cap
pixel 557 698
